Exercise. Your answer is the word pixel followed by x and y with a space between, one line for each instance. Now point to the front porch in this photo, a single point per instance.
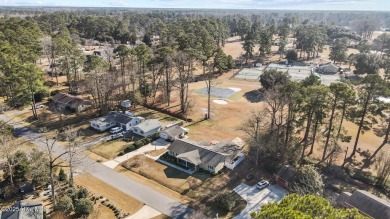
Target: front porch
pixel 187 164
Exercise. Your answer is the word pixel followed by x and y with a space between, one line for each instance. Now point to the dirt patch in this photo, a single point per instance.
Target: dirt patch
pixel 157 152
pixel 121 200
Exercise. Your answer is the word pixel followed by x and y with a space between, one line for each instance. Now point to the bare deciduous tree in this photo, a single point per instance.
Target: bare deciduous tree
pixel 382 166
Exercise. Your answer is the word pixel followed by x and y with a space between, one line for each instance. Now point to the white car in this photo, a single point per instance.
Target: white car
pixel 115 130
pixel 39 106
pixel 262 184
pixel 116 136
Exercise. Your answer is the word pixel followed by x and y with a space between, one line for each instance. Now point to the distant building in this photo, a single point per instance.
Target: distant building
pixel 147 128
pixel 113 119
pixel 25 209
pixel 328 68
pixel 64 101
pixel 367 203
pixel 212 158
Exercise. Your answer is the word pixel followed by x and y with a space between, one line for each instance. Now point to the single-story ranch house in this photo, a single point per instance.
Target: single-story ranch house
pixel 212 158
pixel 173 132
pixel 123 120
pixel 147 128
pixel 64 101
pixel 328 68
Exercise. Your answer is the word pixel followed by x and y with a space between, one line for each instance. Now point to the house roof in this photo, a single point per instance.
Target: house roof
pixel 149 125
pixel 69 99
pixel 343 197
pixel 118 117
pixel 174 130
pixel 369 204
pixel 35 210
pixel 198 154
pixel 328 64
pixel 286 172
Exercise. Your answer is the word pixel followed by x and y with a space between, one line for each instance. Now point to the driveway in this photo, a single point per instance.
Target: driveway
pixel 158 144
pixel 256 198
pixel 145 194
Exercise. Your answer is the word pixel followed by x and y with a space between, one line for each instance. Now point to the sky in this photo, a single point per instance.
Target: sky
pixel 380 5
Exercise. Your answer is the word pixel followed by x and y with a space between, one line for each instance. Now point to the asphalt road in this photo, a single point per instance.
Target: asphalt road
pixel 143 193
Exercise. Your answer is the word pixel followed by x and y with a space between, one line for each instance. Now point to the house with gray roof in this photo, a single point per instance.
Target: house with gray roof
pixel 328 68
pixel 173 132
pixel 367 203
pixel 212 157
pixel 147 128
pixel 25 209
pixel 124 120
pixel 64 101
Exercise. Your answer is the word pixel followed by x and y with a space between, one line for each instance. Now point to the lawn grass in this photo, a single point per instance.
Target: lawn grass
pixel 167 176
pixel 157 152
pixel 109 149
pixel 98 187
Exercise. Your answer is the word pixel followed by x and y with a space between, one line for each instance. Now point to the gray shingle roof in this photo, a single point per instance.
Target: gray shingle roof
pixel 174 131
pixel 149 125
pixel 197 154
pixel 369 204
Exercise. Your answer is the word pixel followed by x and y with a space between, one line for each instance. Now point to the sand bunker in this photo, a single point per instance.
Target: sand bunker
pixel 236 89
pixel 222 102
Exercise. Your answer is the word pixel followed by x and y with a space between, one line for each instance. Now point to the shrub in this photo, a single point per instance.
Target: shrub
pixel 82 193
pixel 38 96
pixel 138 144
pixel 54 92
pixel 226 201
pixel 65 205
pixel 121 153
pixel 83 207
pixel 129 149
pixel 62 176
pixel 49 83
pixel 72 193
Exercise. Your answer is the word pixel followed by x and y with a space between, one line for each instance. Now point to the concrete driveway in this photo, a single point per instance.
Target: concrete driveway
pixel 256 198
pixel 158 144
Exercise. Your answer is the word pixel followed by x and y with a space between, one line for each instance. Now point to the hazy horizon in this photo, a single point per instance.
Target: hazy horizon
pixel 320 5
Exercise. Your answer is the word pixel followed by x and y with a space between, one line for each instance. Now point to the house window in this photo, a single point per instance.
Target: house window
pixel 142 132
pixel 211 168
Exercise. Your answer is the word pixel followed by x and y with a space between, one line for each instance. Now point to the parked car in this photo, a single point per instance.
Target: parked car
pixel 116 136
pixel 115 130
pixel 262 184
pixel 39 106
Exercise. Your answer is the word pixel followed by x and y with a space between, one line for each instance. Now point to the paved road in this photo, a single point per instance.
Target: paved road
pixel 136 190
pixel 256 198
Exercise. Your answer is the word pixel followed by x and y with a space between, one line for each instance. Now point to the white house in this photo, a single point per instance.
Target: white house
pixel 147 128
pixel 328 68
pixel 173 132
pixel 123 120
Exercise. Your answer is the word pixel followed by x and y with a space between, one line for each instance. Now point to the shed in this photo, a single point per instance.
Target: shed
pixel 285 175
pixel 173 132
